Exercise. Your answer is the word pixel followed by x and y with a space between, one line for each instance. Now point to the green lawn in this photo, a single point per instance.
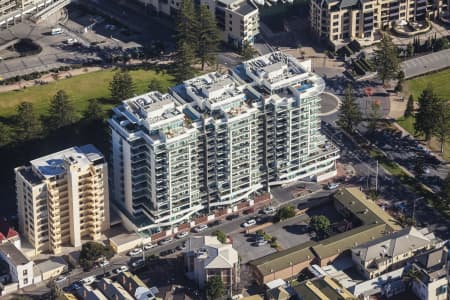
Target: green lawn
pixel 440 82
pixel 81 89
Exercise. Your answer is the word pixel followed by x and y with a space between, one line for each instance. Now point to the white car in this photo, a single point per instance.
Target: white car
pixel 182 234
pixel 88 280
pixel 201 227
pixel 249 223
pixel 149 246
pixel 60 278
pixel 138 263
pixel 165 241
pixel 332 186
pixel 103 263
pixel 269 210
pixel 121 269
pixel 135 251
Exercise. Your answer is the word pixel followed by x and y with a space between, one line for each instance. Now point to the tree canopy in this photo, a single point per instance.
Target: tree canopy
pixel 121 86
pixel 286 212
pixel 214 288
pixel 409 111
pixel 183 63
pixel 320 224
pixel 221 236
pixel 27 123
pixel 386 59
pixel 349 112
pixel 425 121
pixel 91 252
pixel 208 36
pixel 94 111
pixel 61 111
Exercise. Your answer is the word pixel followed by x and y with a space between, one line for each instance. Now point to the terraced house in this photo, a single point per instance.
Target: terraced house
pixel 339 21
pixel 218 139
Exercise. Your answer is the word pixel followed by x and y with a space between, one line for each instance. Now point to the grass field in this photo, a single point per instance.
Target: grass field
pixel 81 89
pixel 440 82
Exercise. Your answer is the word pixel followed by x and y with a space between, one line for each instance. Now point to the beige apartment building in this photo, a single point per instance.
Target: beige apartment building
pixel 238 20
pixel 63 199
pixel 343 20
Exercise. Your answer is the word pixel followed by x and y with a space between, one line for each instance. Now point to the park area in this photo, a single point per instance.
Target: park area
pixel 440 83
pixel 81 89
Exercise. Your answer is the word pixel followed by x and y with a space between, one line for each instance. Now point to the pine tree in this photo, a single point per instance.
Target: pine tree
pixel 183 63
pixel 208 36
pixel 5 134
pixel 442 122
pixel 61 111
pixel 374 115
pixel 349 112
pixel 94 111
pixel 410 50
pixel 121 86
pixel 445 189
pixel 27 122
pixel 409 111
pixel 155 85
pixel 386 59
pixel 186 25
pixel 426 114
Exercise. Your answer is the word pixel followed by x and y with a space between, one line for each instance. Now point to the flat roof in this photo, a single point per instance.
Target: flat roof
pixel 322 288
pixel 245 8
pixel 54 164
pixel 281 260
pixel 54 262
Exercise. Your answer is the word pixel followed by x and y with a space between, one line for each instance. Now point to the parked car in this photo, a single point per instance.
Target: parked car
pixel 269 210
pixel 215 223
pixel 201 227
pixel 182 234
pixel 149 246
pixel 103 263
pixel 87 280
pixel 167 252
pixel 261 242
pixel 181 247
pixel 232 217
pixel 60 278
pixel 120 269
pixel 249 223
pixel 138 263
pixel 74 286
pixel 135 251
pixel 165 241
pixel 332 186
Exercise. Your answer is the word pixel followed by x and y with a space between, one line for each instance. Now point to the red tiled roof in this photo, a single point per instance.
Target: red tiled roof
pixel 6 232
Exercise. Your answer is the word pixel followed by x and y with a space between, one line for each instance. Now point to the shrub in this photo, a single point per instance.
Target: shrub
pixel 286 212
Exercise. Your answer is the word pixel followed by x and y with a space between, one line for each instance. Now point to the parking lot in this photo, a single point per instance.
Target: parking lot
pixel 289 233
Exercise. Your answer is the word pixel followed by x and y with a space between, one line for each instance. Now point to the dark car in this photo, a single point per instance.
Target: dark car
pixel 215 223
pixel 232 217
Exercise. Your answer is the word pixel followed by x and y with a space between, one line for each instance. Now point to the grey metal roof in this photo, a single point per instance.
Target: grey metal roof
pixel 348 3
pixel 245 8
pixel 13 254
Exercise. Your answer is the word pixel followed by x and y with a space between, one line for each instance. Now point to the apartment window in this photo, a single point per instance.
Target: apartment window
pixel 335 16
pixel 25 272
pixel 231 22
pixel 335 30
pixel 231 29
pixel 25 281
pixel 335 23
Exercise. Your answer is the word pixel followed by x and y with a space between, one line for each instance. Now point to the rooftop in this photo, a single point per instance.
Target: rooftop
pixel 54 164
pixel 392 245
pixel 282 260
pixel 6 232
pixel 215 254
pixel 152 107
pixel 322 288
pixel 245 8
pixel 13 254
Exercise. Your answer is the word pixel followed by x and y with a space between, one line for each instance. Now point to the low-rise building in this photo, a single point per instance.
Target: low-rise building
pixel 321 288
pixel 206 257
pixel 391 251
pixel 52 267
pixel 428 275
pixel 20 267
pixel 136 287
pixel 8 234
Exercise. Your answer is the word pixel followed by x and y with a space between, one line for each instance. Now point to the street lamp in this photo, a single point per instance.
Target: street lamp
pixel 292 271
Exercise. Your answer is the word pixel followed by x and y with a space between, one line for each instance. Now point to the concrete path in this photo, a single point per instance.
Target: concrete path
pixel 427 63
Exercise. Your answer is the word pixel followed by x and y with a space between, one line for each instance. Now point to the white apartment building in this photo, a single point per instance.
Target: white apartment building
pixel 63 198
pixel 206 257
pixel 344 20
pixel 238 20
pixel 20 267
pixel 217 139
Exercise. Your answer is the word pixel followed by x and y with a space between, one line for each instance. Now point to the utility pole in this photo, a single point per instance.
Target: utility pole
pixel 376 179
pixel 414 210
